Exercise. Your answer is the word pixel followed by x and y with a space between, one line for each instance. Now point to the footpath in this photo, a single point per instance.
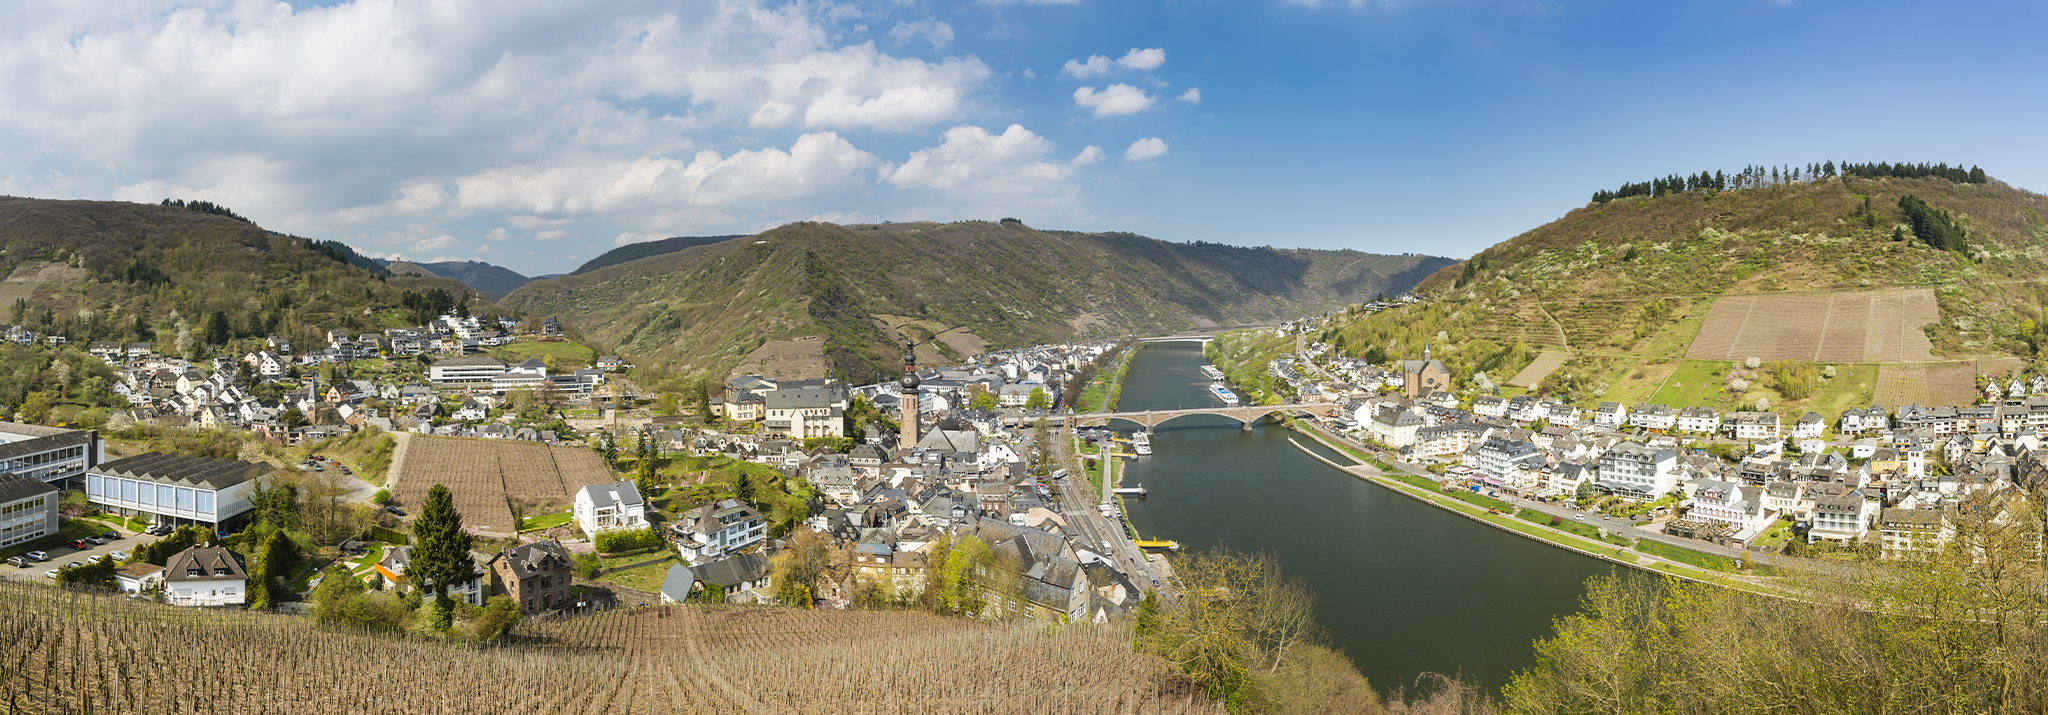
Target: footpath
pixel 1511 524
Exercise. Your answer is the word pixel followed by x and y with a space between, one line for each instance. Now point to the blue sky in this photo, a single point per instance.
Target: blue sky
pixel 536 135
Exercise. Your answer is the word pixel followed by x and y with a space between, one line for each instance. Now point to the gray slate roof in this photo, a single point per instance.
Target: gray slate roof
pixel 215 474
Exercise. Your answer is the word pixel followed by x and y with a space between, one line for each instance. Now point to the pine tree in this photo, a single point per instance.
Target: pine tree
pixel 440 553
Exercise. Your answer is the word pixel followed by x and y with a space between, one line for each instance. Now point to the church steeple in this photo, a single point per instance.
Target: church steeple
pixel 1425 351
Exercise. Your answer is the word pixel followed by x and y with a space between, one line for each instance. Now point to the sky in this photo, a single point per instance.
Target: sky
pixel 539 134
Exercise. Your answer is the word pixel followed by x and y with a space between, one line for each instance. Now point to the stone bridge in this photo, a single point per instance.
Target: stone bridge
pixel 1245 415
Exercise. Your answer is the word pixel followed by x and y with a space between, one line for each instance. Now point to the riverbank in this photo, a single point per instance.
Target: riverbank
pixel 1367 470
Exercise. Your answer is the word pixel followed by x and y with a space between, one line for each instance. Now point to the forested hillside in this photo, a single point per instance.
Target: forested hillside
pixel 842 295
pixel 110 270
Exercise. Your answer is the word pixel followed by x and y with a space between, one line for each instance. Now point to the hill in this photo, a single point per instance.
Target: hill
pixel 1657 297
pixel 810 297
pixel 110 270
pixel 649 249
pixel 496 280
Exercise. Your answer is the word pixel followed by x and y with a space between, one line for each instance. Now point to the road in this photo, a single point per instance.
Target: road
pixel 1078 504
pixel 64 555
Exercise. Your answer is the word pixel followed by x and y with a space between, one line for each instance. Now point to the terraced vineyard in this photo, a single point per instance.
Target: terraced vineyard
pixel 483 473
pixel 73 652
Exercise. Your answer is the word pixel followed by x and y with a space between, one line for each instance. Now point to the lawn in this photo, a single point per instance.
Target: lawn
pixel 1574 526
pixel 645 578
pixel 370 558
pixel 1694 383
pixel 1685 556
pixel 1674 338
pixel 1633 381
pixel 569 352
pixel 546 521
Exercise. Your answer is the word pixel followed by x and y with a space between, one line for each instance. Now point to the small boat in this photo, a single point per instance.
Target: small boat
pixel 1137 491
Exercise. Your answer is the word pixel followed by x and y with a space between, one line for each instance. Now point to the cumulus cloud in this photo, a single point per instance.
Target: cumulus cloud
pixel 1098 65
pixel 1114 100
pixel 1088 155
pixel 498 234
pixel 936 32
pixel 1192 96
pixel 434 244
pixel 1006 167
pixel 817 163
pixel 1146 148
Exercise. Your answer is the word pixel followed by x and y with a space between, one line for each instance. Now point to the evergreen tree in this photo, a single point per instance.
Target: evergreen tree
pixel 217 330
pixel 440 553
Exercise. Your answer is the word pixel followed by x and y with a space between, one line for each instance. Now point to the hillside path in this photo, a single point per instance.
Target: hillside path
pixel 397 467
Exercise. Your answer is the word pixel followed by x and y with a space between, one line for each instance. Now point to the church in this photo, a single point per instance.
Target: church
pixel 1424 376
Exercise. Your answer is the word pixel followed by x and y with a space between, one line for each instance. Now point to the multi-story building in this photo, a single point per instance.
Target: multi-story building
pixel 713 531
pixel 537 576
pixel 604 507
pixel 1394 425
pixel 1637 471
pixel 1653 417
pixel 1702 420
pixel 1840 517
pixel 28 509
pixel 52 455
pixel 206 576
pixel 1507 462
pixel 1720 502
pixel 807 412
pixel 477 370
pixel 473 591
pixel 177 490
pixel 1611 415
pixel 1751 425
pixel 1905 532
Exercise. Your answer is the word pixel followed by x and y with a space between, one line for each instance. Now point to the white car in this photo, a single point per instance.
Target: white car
pixel 50 574
pixel 118 555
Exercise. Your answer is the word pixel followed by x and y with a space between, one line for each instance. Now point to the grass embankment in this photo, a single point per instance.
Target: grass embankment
pixel 1571 525
pixel 545 521
pixel 1103 392
pixel 368 452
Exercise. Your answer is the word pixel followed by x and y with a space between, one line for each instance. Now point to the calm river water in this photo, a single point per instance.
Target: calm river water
pixel 1404 588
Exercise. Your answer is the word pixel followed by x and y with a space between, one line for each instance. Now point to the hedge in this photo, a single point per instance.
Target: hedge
pixel 617 540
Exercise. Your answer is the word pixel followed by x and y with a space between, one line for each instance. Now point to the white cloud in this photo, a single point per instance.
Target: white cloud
pixel 434 244
pixel 816 164
pixel 551 234
pixel 1192 96
pixel 1114 100
pixel 1146 148
pixel 1088 155
pixel 498 234
pixel 936 32
pixel 626 238
pixel 1142 60
pixel 992 169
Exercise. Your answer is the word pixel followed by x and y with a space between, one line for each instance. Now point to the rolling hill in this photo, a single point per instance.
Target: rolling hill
pixel 1665 298
pixel 650 249
pixel 810 297
pixel 485 277
pixel 111 270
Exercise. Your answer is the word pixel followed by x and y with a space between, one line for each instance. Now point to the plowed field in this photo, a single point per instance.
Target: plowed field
pixel 483 473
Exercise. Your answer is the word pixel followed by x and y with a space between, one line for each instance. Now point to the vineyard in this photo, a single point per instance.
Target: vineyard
pixel 484 473
pixel 1866 326
pixel 75 652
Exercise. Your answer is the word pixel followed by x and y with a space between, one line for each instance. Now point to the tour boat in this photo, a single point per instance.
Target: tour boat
pixel 1141 443
pixel 1223 393
pixel 1210 371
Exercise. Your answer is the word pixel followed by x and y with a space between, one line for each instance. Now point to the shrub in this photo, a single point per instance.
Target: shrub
pixel 627 540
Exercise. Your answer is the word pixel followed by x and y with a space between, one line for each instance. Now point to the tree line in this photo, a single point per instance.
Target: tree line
pixel 1750 177
pixel 207 207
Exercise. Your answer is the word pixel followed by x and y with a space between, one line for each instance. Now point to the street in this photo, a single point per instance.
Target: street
pixel 1079 505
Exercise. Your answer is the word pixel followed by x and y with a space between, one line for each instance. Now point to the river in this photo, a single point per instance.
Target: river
pixel 1403 587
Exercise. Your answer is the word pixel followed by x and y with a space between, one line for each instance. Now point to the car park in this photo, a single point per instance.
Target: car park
pixel 94 541
pixel 73 565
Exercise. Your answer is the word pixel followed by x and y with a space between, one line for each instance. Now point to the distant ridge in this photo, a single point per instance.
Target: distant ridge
pixel 482 276
pixel 650 249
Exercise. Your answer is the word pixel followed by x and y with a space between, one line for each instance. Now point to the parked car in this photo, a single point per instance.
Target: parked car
pixel 94 541
pixel 110 536
pixel 118 555
pixel 158 530
pixel 37 556
pixel 50 574
pixel 17 562
pixel 395 510
pixel 73 565
pixel 78 544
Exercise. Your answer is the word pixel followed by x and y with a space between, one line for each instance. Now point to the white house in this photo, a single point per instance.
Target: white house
pixel 1653 417
pixel 616 505
pixel 1611 415
pixel 1507 462
pixel 28 509
pixel 1810 426
pixel 1698 419
pixel 713 531
pixel 467 370
pixel 1637 471
pixel 202 576
pixel 1394 425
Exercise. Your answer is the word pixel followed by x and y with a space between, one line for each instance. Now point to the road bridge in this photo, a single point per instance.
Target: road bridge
pixel 1245 414
pixel 1190 338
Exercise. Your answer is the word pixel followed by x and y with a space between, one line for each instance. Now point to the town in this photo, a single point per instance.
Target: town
pixel 1885 482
